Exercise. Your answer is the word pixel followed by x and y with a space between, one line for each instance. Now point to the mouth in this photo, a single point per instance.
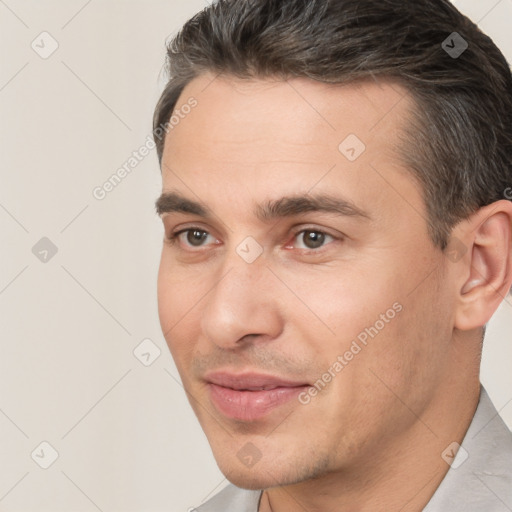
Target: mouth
pixel 250 396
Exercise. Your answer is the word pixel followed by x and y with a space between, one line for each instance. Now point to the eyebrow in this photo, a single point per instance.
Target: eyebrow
pixel 171 202
pixel 296 205
pixel 290 206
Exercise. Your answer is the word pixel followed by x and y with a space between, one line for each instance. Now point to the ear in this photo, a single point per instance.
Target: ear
pixel 486 275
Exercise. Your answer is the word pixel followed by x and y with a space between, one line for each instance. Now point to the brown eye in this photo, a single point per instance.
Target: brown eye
pixel 195 237
pixel 311 239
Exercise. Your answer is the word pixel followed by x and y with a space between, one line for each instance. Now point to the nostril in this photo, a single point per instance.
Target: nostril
pixel 250 337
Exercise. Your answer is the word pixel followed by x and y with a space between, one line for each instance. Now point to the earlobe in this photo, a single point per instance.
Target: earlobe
pixel 488 270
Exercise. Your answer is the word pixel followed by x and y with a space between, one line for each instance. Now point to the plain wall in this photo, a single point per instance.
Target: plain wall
pixel 124 433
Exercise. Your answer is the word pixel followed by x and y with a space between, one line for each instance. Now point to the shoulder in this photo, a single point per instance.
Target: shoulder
pixel 232 499
pixel 480 476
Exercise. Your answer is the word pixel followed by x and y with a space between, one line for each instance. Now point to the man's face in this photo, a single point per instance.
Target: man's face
pixel 305 306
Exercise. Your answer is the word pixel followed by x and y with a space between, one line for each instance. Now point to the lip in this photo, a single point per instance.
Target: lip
pixel 250 396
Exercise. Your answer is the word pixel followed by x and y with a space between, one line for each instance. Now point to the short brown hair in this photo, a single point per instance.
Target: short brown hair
pixel 460 144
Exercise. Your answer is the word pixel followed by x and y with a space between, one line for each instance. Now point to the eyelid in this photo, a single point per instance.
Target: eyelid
pixel 302 228
pixel 188 226
pixel 174 238
pixel 296 230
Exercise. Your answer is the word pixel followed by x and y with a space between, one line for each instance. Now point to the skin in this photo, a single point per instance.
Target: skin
pixel 372 438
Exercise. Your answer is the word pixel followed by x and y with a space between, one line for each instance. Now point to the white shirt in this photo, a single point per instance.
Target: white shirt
pixel 482 482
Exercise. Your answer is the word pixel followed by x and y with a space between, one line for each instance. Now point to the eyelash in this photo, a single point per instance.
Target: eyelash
pixel 173 237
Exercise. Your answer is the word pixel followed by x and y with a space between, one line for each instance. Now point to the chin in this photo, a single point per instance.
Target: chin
pixel 250 482
pixel 262 475
pixel 253 478
pixel 257 480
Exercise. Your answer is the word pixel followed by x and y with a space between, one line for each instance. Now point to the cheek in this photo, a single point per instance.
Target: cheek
pixel 343 304
pixel 407 356
pixel 178 309
pixel 178 292
pixel 371 316
pixel 166 292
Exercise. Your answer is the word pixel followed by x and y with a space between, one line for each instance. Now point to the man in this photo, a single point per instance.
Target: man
pixel 336 176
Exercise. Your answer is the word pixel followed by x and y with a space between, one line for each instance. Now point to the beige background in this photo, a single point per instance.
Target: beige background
pixel 124 434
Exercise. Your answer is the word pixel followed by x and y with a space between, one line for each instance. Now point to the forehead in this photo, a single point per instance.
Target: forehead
pixel 270 103
pixel 274 137
pixel 261 113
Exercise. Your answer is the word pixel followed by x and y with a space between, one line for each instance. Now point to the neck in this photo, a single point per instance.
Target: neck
pixel 403 475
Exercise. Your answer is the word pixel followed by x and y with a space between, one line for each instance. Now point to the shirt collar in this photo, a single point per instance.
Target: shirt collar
pixel 480 476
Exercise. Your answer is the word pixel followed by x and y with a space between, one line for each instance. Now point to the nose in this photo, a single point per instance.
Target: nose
pixel 242 306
